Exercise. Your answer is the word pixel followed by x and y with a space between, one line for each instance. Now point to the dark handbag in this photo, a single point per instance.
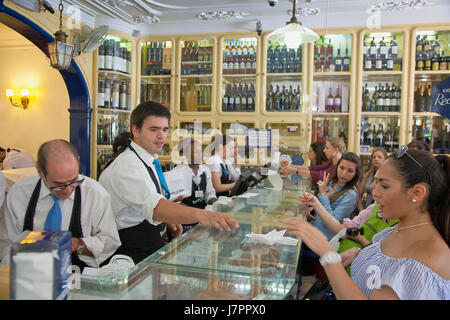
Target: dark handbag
pixel 320 291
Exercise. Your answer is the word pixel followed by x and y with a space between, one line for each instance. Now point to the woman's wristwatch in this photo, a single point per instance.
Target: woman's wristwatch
pixel 330 257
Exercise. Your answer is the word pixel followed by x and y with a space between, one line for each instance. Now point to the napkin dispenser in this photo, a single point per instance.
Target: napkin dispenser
pixel 41 266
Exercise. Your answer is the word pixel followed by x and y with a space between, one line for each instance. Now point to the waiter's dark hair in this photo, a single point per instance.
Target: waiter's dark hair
pixel 146 109
pixel 48 146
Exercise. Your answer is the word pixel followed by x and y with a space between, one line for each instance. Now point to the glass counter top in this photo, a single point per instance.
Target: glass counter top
pixel 213 264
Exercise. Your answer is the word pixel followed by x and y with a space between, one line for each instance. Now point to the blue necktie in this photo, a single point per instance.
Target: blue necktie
pixel 53 221
pixel 161 177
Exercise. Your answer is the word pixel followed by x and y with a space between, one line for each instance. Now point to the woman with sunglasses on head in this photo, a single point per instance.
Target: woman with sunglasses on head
pixel 379 155
pixel 409 260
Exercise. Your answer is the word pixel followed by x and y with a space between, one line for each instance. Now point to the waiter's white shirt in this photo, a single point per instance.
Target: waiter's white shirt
pixel 133 193
pixel 214 165
pixel 210 192
pixel 97 221
pixel 15 160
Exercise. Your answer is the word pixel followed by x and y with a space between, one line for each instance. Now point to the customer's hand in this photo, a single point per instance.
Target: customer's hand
pixel 308 199
pixel 322 184
pixel 310 235
pixel 219 220
pixel 288 170
pixel 347 256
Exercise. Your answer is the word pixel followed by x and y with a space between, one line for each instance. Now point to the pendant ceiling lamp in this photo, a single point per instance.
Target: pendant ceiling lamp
pixel 293 33
pixel 59 51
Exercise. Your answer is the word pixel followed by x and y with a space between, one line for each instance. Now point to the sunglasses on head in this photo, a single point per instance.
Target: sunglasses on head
pixel 404 150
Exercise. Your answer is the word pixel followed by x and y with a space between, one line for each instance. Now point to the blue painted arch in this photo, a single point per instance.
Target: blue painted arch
pixel 79 110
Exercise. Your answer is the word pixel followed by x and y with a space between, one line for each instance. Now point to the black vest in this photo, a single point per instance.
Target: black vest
pixel 193 201
pixel 224 179
pixel 140 241
pixel 75 220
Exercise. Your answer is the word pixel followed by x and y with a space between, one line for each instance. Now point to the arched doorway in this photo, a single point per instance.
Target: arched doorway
pixel 79 111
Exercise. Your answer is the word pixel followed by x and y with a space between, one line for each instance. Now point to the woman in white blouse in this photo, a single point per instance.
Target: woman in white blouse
pixel 224 171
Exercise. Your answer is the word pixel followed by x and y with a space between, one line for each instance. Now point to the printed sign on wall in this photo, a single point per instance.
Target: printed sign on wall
pixel 440 98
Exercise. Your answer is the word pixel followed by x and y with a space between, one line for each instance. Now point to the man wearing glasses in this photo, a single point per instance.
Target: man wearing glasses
pixel 139 194
pixel 60 198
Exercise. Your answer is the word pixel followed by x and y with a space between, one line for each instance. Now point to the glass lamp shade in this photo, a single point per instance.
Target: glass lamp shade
pixel 292 35
pixel 60 54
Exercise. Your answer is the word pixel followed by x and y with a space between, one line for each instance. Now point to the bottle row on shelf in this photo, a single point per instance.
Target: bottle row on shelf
pixel 430 55
pixel 239 97
pixel 380 133
pixel 113 94
pixel 239 56
pixel 383 98
pixel 114 56
pixel 109 125
pixel 195 97
pixel 322 129
pixel 380 57
pixel 331 96
pixel 436 131
pixel 422 97
pixel 103 157
pixel 156 58
pixel 156 92
pixel 327 54
pixel 196 58
pixel 286 99
pixel 280 59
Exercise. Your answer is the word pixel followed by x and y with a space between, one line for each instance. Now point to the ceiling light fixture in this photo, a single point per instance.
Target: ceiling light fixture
pixel 293 33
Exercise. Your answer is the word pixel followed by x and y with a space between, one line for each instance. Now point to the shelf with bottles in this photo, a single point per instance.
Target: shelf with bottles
pixel 284 94
pixel 238 94
pixel 432 51
pixel 239 56
pixel 324 126
pixel 331 97
pixel 282 60
pixel 156 58
pixel 114 55
pixel 197 57
pixel 236 127
pixel 196 93
pixel 435 130
pixel 109 124
pixel 113 92
pixel 380 96
pixel 332 54
pixel 156 89
pixel 379 131
pixel 104 155
pixel 383 51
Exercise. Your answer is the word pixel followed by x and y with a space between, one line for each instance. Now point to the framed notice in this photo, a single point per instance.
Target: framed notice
pixel 259 138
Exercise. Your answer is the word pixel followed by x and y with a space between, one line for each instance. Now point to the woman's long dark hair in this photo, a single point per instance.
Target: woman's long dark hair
pixel 317 147
pixel 351 157
pixel 438 169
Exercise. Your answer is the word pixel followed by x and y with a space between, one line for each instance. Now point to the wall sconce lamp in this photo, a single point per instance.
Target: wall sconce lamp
pixel 24 98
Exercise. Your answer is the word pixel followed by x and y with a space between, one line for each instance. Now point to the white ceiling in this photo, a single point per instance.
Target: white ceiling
pixel 180 16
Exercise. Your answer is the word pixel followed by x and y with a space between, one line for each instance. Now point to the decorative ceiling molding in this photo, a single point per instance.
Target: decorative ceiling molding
pixel 398 5
pixel 220 15
pixel 305 12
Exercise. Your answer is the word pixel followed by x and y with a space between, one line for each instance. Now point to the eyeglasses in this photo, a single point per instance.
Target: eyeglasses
pixel 404 150
pixel 64 186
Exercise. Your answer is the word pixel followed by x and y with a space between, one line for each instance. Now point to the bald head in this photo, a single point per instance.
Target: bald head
pixel 56 153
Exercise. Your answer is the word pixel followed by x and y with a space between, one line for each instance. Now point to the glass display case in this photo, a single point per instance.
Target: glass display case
pixel 327 126
pixel 155 71
pixel 431 65
pixel 238 87
pixel 207 264
pixel 381 97
pixel 196 69
pixel 112 99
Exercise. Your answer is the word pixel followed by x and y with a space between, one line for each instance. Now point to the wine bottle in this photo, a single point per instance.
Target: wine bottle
pixel 337 101
pixel 330 101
